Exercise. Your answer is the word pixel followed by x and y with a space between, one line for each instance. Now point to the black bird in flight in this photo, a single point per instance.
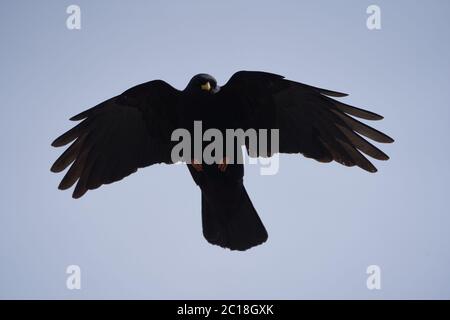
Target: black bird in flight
pixel 133 130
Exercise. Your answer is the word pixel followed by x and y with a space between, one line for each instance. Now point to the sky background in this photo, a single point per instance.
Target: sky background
pixel 326 222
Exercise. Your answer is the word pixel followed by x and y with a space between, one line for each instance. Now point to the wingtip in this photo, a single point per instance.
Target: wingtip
pixel 76 118
pixel 334 94
pixel 61 187
pixel 59 142
pixel 55 143
pixel 80 190
pixel 372 116
pixel 80 116
pixel 369 169
pixel 377 117
pixel 54 169
pixel 78 195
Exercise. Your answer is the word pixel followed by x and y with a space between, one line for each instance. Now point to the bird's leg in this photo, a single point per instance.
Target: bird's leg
pixel 223 164
pixel 197 165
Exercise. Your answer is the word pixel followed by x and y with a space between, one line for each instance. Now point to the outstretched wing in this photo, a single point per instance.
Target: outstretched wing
pixel 309 121
pixel 118 136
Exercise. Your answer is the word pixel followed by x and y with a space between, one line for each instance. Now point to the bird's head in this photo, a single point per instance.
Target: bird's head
pixel 203 83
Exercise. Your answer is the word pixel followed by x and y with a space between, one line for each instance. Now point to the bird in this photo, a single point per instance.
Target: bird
pixel 134 130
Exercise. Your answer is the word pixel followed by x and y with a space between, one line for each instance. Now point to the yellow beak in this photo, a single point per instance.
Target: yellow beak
pixel 206 86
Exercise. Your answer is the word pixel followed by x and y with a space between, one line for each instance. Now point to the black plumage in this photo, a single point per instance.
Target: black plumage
pixel 133 130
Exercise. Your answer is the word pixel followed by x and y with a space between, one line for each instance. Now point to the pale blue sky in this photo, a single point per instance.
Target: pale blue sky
pixel 326 223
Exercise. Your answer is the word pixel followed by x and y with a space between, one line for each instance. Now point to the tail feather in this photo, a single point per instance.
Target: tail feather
pixel 230 220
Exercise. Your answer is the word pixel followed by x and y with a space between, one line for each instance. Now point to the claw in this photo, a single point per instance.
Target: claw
pixel 197 165
pixel 223 164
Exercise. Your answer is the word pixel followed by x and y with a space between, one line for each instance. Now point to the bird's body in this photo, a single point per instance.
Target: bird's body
pixel 228 216
pixel 134 130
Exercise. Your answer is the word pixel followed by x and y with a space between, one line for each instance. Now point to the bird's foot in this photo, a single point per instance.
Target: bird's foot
pixel 197 165
pixel 223 164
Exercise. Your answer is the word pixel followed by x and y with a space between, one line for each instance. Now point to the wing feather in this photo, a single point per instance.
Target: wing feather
pixel 118 136
pixel 308 120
